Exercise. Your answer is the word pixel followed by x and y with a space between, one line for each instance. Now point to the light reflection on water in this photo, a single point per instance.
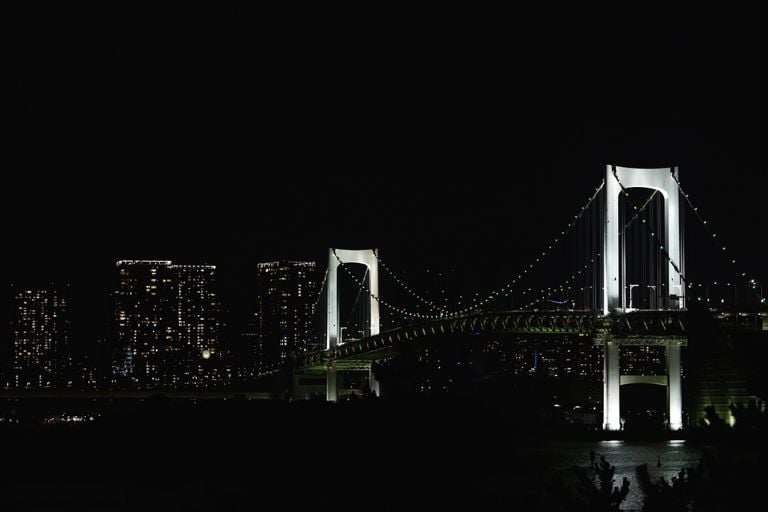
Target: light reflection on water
pixel 546 459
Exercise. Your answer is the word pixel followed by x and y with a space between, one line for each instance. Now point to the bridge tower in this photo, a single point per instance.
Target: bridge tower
pixel 365 257
pixel 663 180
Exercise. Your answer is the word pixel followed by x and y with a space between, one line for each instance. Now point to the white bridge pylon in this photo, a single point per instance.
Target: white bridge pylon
pixel 663 180
pixel 336 257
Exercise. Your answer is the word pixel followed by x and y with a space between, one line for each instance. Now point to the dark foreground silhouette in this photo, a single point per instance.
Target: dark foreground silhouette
pixel 241 455
pixel 404 454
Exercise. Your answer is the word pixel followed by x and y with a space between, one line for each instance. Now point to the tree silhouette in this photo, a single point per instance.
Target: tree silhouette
pixel 593 490
pixel 712 421
pixel 750 418
pixel 660 496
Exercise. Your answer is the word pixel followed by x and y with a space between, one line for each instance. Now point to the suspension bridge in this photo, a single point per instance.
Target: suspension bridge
pixel 617 242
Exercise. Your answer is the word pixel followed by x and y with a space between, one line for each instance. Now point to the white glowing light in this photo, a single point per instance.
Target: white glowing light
pixel 618 180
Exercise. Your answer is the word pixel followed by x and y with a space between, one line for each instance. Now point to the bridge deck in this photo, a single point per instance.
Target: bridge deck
pixel 636 327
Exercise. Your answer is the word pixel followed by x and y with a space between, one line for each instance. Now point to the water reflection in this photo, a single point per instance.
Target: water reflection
pixel 544 460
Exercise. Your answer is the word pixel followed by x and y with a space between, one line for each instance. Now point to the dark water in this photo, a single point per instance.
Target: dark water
pixel 543 460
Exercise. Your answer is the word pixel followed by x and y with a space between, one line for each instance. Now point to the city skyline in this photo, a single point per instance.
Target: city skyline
pixel 549 223
pixel 458 165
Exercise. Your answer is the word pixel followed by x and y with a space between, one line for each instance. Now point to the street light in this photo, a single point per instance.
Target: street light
pixel 653 301
pixel 630 294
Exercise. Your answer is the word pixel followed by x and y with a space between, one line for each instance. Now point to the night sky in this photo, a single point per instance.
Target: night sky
pixel 235 133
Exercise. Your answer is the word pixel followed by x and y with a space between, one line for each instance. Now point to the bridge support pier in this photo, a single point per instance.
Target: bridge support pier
pixel 331 384
pixel 373 384
pixel 611 387
pixel 674 388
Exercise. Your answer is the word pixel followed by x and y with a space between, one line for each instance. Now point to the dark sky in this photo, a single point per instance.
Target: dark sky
pixel 234 133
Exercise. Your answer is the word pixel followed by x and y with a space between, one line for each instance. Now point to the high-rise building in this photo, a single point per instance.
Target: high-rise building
pixel 166 325
pixel 196 325
pixel 143 321
pixel 40 329
pixel 283 321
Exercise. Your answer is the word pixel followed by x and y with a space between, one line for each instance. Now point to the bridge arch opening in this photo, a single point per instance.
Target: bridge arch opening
pixel 613 381
pixel 644 405
pixel 643 268
pixel 354 302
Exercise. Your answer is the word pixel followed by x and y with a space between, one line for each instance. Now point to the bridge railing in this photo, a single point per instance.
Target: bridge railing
pixel 522 322
pixel 669 322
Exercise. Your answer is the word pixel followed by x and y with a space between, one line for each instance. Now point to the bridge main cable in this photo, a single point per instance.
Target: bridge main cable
pixel 411 291
pixel 659 244
pixel 319 294
pixel 567 283
pixel 505 290
pixel 378 299
pixel 749 281
pixel 557 240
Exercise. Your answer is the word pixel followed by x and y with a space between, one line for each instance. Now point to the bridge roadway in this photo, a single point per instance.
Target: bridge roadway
pixel 53 394
pixel 640 327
